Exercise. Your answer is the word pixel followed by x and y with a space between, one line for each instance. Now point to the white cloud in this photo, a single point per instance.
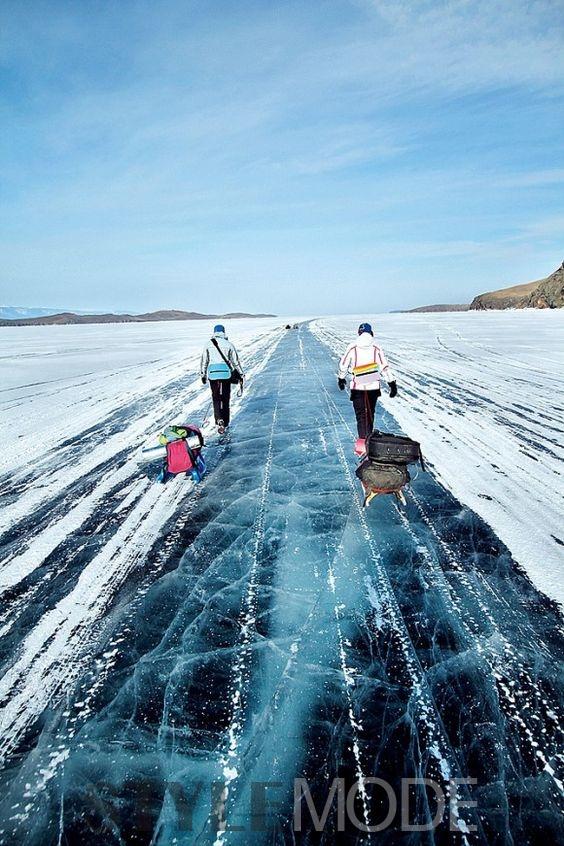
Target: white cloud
pixel 545 226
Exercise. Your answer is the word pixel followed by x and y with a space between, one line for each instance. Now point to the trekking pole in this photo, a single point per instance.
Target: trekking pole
pixel 207 412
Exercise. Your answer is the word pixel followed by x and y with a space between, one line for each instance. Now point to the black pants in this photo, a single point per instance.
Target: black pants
pixel 221 394
pixel 364 404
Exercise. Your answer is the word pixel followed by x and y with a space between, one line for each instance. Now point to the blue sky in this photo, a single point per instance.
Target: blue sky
pixel 291 157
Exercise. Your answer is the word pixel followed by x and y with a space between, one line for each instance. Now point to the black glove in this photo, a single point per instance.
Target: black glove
pixel 393 389
pixel 342 383
pixel 204 380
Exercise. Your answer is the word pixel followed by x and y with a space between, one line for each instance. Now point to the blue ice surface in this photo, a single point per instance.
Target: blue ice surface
pixel 286 634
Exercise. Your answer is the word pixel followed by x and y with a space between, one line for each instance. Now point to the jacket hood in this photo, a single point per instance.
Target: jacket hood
pixel 219 335
pixel 365 340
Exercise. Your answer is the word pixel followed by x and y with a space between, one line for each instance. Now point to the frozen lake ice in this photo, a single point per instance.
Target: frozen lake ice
pixel 166 650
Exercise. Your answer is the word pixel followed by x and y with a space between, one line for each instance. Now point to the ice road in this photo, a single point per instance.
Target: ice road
pixel 176 659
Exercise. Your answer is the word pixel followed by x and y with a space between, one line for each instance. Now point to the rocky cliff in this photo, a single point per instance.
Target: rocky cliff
pixel 543 293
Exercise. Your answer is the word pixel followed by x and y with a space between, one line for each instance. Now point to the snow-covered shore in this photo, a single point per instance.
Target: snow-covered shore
pixel 484 393
pixel 58 381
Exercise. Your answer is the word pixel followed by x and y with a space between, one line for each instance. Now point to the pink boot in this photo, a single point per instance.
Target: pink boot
pixel 360 446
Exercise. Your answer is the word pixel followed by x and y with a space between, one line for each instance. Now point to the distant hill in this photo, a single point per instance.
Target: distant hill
pixel 438 307
pixel 505 297
pixel 543 293
pixel 23 313
pixel 73 318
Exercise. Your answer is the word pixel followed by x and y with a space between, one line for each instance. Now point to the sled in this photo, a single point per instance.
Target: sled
pixel 399 495
pixel 179 451
pixel 184 431
pixel 194 474
pixel 384 459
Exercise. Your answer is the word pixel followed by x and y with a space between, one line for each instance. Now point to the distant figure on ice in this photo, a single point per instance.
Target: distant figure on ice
pixel 220 364
pixel 366 363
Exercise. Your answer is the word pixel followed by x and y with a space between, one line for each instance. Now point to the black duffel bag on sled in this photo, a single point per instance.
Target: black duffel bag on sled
pixel 393 449
pixel 384 470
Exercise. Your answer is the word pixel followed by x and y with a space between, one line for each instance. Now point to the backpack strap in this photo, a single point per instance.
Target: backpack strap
pixel 218 348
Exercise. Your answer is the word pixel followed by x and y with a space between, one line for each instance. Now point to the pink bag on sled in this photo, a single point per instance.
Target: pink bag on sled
pixel 178 457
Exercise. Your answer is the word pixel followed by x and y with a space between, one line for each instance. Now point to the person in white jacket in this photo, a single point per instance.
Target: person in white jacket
pixel 364 359
pixel 218 363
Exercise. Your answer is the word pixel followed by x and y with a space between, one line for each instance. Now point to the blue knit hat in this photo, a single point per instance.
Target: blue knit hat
pixel 365 327
pixel 219 327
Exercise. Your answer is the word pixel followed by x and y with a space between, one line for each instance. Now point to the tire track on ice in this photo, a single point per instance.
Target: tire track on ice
pixel 96 675
pixel 498 652
pixel 54 653
pixel 16 566
pixel 425 713
pixel 240 673
pixel 508 672
pixel 349 683
pixel 56 478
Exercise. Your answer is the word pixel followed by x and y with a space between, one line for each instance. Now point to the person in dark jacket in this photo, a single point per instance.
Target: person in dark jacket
pixel 219 360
